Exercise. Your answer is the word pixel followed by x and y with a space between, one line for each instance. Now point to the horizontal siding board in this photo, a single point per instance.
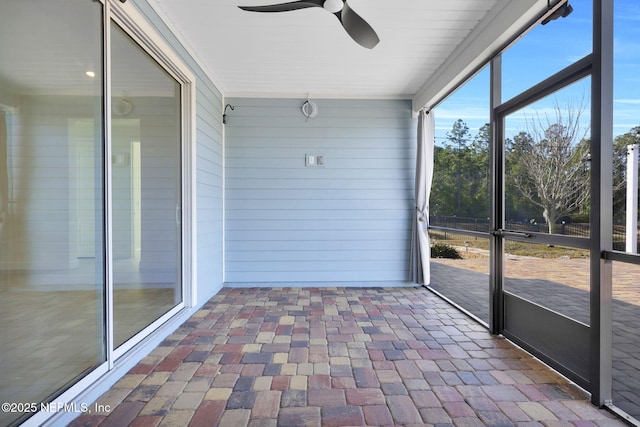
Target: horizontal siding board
pixel 329 153
pixel 251 205
pixel 339 278
pixel 334 195
pixel 288 266
pixel 368 142
pixel 305 235
pixel 364 107
pixel 320 123
pixel 324 112
pixel 318 132
pixel 318 184
pixel 388 174
pixel 208 167
pixel 331 163
pixel 319 215
pixel 349 220
pixel 290 246
pixel 314 256
pixel 304 225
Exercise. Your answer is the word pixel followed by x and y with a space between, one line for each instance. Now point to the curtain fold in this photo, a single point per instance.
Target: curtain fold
pixel 420 248
pixel 4 176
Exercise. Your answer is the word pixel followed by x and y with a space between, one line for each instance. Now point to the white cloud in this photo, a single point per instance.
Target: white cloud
pixel 627 101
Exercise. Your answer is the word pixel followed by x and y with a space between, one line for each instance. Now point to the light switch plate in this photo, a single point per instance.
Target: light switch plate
pixel 314 160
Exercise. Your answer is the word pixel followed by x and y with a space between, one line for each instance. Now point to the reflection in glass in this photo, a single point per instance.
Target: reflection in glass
pixel 461 197
pixel 554 277
pixel 547 164
pixel 463 280
pixel 51 180
pixel 626 338
pixel 146 182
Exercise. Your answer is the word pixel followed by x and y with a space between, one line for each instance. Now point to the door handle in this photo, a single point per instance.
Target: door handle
pixel 511 233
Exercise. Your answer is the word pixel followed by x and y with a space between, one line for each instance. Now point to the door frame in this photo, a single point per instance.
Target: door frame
pixel 599 65
pixel 511 315
pixel 135 25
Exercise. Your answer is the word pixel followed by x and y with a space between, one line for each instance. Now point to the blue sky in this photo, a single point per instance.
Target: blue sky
pixel 544 51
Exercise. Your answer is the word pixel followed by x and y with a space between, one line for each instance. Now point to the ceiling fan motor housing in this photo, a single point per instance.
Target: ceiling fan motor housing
pixel 333 6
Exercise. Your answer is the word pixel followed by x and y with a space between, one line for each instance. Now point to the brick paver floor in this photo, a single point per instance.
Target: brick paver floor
pixel 338 357
pixel 561 285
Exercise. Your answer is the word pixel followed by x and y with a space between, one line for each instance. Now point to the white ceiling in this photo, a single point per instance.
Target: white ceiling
pixel 426 47
pixel 307 52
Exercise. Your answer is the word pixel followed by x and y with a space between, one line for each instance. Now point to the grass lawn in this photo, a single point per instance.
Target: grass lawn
pixel 511 247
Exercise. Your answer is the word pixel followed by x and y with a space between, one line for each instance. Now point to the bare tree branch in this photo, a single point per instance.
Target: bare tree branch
pixel 550 160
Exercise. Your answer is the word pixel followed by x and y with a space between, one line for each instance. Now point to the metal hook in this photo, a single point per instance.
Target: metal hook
pixel 224 114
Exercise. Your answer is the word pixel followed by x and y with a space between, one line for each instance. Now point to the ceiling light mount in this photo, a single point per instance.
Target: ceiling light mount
pixel 309 109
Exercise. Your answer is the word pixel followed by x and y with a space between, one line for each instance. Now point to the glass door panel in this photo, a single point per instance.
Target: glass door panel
pixel 547 164
pixel 626 338
pixel 52 278
pixel 554 277
pixel 469 264
pixel 546 264
pixel 460 200
pixel 146 188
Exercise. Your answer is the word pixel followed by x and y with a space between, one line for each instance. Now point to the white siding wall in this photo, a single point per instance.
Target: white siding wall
pixel 208 167
pixel 348 221
pixel 43 185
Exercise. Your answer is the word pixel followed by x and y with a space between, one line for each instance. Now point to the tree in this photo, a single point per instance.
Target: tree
pixel 550 164
pixel 458 142
pixel 517 206
pixel 461 165
pixel 479 167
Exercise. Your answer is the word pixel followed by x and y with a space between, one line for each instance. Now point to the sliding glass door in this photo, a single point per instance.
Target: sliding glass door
pixel 146 188
pixel 52 244
pixel 90 199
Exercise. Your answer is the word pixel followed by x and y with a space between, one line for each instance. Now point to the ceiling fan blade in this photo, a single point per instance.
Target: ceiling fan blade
pixel 284 7
pixel 357 28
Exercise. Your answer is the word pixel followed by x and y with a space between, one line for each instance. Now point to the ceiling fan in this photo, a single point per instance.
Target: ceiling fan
pixel 356 27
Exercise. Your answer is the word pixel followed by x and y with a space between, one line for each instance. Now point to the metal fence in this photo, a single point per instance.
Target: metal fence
pixel 568 229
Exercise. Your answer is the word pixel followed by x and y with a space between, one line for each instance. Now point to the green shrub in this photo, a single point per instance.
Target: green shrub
pixel 440 250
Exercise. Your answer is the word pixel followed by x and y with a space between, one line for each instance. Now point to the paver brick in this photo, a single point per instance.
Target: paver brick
pixel 234 418
pixel 537 411
pixel 403 410
pixel 333 397
pixel 365 396
pixel 267 404
pixel 377 415
pixel 188 400
pixel 299 417
pixel 339 356
pixel 342 416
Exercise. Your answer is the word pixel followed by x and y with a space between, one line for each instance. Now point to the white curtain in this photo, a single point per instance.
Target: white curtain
pixel 4 177
pixel 420 249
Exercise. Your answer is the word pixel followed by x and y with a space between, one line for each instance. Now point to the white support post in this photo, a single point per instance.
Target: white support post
pixel 632 199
